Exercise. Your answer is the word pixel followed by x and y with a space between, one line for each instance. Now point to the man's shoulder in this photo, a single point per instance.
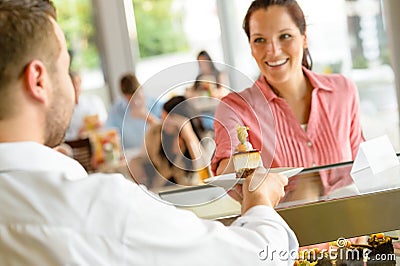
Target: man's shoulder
pixel 112 190
pixel 111 181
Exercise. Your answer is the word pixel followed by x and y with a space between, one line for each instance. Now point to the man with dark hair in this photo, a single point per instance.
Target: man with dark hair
pixel 54 213
pixel 130 114
pixel 129 84
pixel 33 53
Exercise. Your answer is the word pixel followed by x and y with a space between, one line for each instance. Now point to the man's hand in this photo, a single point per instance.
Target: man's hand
pixel 260 188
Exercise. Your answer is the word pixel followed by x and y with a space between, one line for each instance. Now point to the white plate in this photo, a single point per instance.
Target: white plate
pixel 227 181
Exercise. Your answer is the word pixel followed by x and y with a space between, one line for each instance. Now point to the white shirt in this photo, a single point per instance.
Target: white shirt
pixel 53 213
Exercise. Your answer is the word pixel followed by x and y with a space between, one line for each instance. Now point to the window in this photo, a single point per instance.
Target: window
pixel 163 19
pixel 76 20
pixel 171 32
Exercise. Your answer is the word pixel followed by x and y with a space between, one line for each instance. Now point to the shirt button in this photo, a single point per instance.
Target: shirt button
pixel 314 164
pixel 309 144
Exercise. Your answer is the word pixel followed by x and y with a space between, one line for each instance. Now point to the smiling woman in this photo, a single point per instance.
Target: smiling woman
pixel 298 118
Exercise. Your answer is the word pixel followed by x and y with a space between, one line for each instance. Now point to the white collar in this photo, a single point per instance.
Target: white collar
pixel 31 156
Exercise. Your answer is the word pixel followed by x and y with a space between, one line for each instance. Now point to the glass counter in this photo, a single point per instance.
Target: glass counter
pixel 321 203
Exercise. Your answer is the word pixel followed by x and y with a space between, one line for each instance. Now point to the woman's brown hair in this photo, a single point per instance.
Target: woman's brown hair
pixel 295 13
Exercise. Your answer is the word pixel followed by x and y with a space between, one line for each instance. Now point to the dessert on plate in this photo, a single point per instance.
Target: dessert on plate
pixel 245 159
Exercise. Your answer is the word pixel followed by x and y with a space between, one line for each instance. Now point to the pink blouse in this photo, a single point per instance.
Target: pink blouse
pixel 333 131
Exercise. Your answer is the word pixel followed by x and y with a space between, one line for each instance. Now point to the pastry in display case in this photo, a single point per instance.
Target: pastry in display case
pixel 378 250
pixel 313 257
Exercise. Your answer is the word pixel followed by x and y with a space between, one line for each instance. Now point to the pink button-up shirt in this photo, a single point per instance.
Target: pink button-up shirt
pixel 333 132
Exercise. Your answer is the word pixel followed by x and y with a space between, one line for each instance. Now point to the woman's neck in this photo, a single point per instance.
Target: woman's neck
pixel 297 93
pixel 296 88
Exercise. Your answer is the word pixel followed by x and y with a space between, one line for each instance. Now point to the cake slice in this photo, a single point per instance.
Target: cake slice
pixel 246 162
pixel 246 159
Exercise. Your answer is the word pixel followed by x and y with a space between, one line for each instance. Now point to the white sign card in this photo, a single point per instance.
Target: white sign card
pixel 377 153
pixel 376 166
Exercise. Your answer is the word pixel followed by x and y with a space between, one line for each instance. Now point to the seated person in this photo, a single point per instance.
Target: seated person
pixel 133 125
pixel 86 107
pixel 172 151
pixel 209 82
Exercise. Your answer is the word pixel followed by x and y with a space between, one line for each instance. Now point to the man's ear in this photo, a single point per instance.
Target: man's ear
pixel 34 75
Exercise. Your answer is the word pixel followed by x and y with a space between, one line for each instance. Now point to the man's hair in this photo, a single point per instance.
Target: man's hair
pixel 129 84
pixel 26 33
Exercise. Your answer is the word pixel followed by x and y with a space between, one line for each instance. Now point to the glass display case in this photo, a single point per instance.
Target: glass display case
pixel 321 204
pixel 325 204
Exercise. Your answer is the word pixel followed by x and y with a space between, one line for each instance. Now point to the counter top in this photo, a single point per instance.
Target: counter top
pixel 321 204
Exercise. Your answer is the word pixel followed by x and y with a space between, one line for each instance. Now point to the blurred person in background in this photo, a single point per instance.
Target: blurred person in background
pixel 131 114
pixel 172 153
pixel 87 106
pixel 210 82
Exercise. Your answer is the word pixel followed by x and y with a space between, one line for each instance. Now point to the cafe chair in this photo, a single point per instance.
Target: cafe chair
pixel 82 152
